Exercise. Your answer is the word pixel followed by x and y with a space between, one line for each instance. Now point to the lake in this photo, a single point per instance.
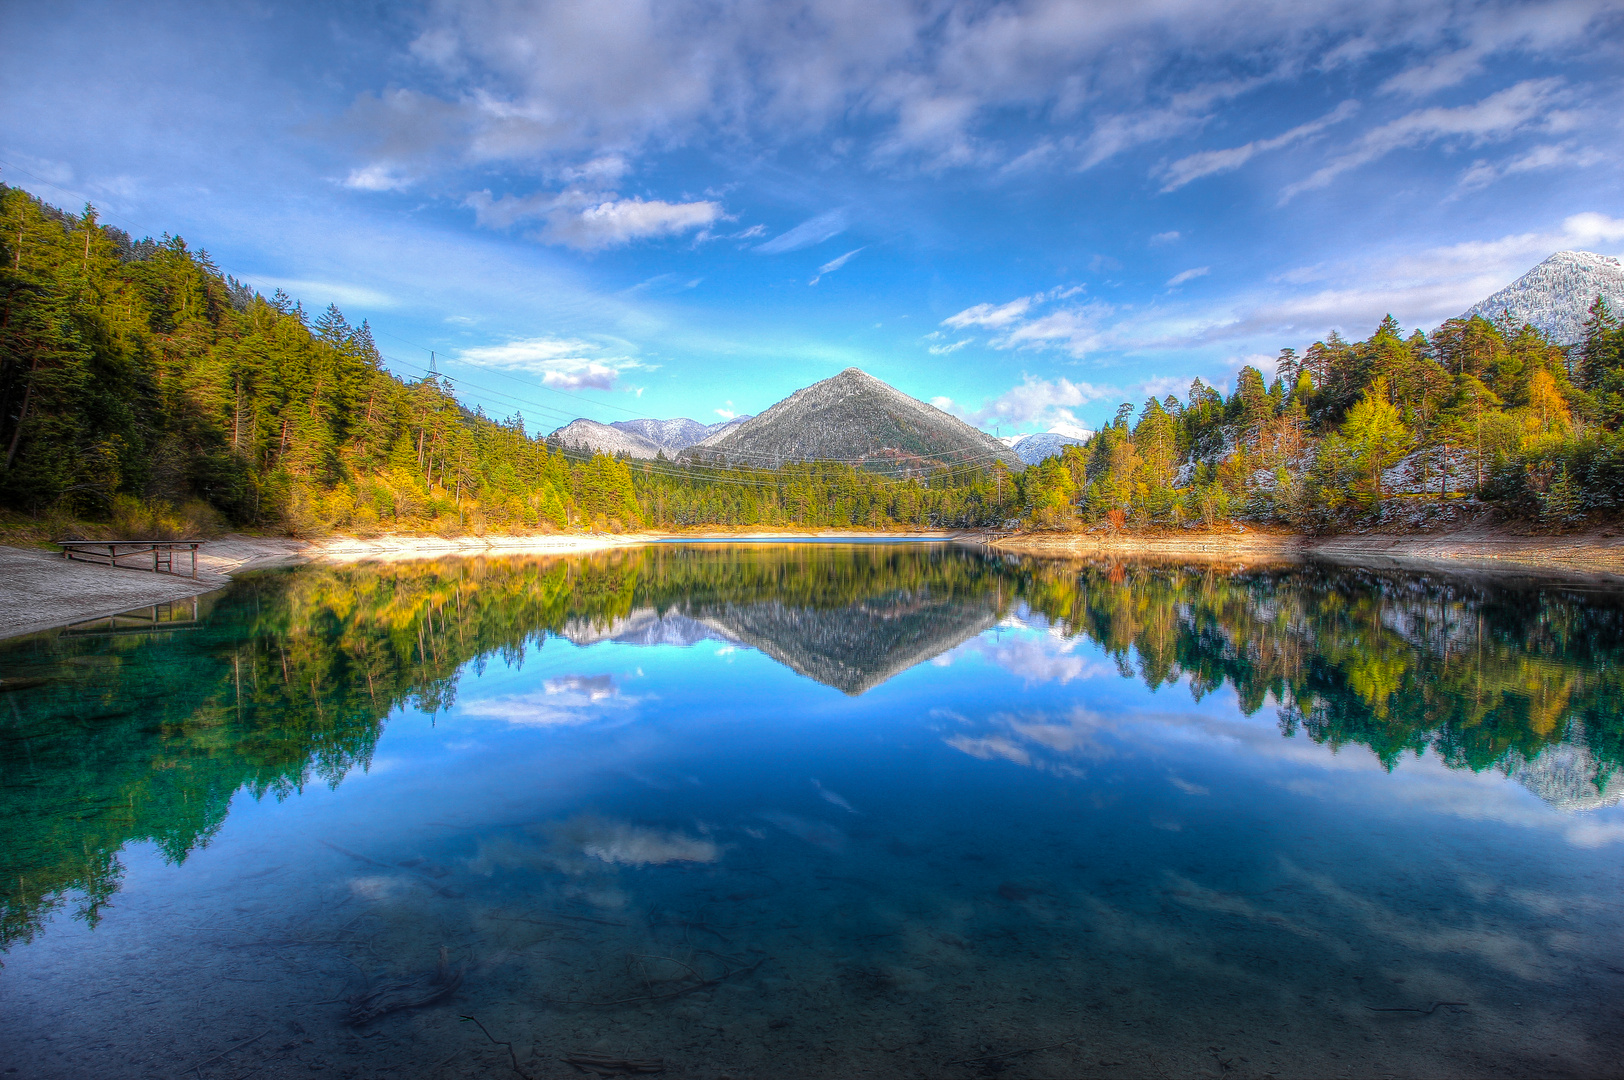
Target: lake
pixel 819 810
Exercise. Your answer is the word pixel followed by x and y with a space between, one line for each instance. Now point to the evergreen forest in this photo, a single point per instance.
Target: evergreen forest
pixel 143 389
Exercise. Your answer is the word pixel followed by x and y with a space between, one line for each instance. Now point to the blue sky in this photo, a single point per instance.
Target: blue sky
pixel 1026 212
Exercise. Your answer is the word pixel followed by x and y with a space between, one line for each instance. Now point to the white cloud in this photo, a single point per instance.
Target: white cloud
pixel 832 265
pixel 588 221
pixel 807 233
pixel 592 687
pixel 599 170
pixel 1044 403
pixel 316 295
pixel 1483 173
pixel 1525 106
pixel 1185 112
pixel 932 84
pixel 1487 31
pixel 620 221
pixel 376 177
pixel 989 316
pixel 565 701
pixel 1187 275
pixel 634 845
pixel 563 363
pixel 1046 657
pixel 950 347
pixel 1210 162
pixel 1165 237
pixel 1074 328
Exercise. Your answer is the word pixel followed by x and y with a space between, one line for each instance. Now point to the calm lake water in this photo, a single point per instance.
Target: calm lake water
pixel 815 811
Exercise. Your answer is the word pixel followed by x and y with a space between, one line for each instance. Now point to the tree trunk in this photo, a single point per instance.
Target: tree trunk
pixel 22 417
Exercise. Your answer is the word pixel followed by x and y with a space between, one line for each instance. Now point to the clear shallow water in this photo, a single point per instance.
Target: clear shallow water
pixel 815 811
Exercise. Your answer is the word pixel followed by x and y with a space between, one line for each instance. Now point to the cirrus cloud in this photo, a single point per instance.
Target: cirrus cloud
pixel 1525 106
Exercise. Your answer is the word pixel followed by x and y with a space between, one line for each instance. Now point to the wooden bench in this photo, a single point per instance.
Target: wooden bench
pixel 110 552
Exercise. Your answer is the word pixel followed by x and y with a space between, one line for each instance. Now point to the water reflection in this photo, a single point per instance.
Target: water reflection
pixel 852 808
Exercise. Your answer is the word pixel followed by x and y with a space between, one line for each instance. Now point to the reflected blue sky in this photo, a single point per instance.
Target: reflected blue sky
pixel 1008 844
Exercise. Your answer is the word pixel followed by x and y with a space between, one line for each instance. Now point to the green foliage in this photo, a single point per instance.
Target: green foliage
pixel 1478 408
pixel 1372 440
pixel 135 370
pixel 136 374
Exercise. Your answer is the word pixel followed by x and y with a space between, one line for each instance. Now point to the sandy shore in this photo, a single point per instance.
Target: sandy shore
pixel 43 590
pixel 1593 552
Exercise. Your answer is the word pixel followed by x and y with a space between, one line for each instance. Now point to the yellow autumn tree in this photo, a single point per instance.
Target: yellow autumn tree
pixel 1547 414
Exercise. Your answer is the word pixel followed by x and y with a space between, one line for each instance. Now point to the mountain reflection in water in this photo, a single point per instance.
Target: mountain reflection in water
pixel 126 753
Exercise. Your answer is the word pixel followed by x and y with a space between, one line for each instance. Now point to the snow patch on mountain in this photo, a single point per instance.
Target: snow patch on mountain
pixel 674 436
pixel 1556 295
pixel 641 438
pixel 599 438
pixel 1045 444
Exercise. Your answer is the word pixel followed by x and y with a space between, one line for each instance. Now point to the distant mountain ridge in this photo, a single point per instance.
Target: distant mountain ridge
pixel 584 434
pixel 641 438
pixel 855 418
pixel 674 436
pixel 1045 444
pixel 1556 295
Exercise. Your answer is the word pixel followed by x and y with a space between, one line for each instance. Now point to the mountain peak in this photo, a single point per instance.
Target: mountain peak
pixel 855 418
pixel 1556 295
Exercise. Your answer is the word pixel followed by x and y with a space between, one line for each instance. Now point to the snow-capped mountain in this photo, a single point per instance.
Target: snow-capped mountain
pixel 641 438
pixel 673 436
pixel 587 434
pixel 856 418
pixel 1556 295
pixel 1046 444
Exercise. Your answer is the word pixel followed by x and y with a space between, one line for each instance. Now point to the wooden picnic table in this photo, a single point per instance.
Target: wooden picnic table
pixel 111 551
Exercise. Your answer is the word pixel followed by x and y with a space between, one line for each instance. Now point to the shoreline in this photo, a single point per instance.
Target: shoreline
pixel 1591 553
pixel 45 591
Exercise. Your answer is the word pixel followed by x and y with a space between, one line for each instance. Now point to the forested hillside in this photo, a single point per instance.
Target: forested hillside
pixel 141 386
pixel 1349 430
pixel 143 389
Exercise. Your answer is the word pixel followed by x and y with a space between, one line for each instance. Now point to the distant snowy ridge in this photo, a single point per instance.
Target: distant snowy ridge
pixel 641 438
pixel 674 436
pixel 599 438
pixel 1556 295
pixel 1045 444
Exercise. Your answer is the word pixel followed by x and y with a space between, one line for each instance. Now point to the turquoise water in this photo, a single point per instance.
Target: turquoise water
pixel 789 811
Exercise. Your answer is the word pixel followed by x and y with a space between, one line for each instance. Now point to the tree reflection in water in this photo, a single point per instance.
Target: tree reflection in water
pixel 288 681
